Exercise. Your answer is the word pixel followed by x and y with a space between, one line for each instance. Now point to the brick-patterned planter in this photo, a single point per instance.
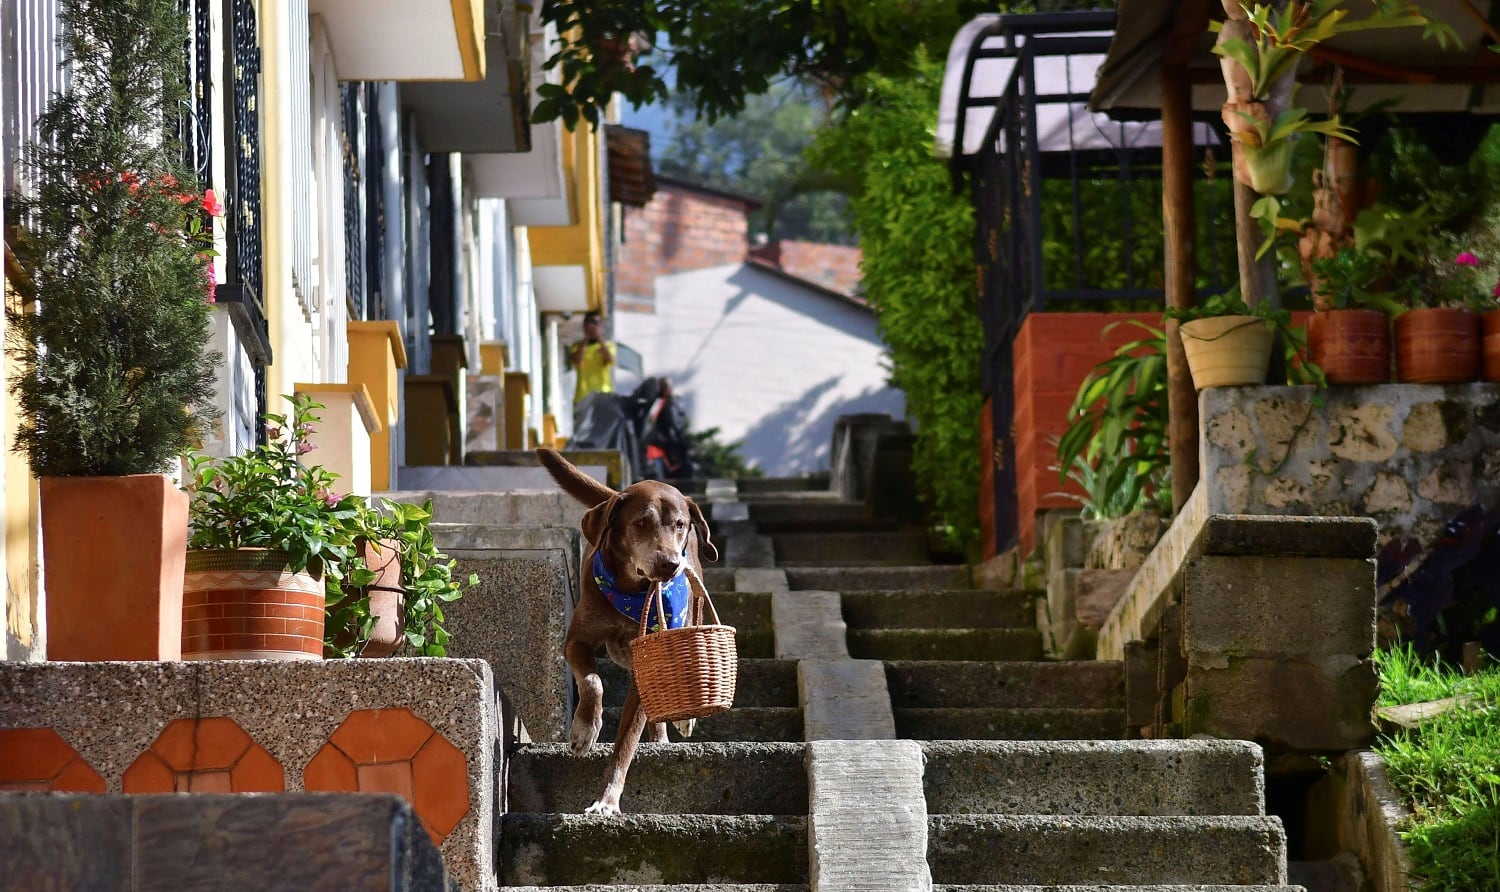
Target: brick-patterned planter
pixel 245 604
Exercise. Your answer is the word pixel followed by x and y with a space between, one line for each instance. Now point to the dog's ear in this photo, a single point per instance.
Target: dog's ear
pixel 598 518
pixel 706 545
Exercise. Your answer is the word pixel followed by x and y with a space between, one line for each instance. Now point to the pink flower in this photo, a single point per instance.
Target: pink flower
pixel 273 432
pixel 331 498
pixel 304 447
pixel 1496 292
pixel 1466 258
pixel 211 204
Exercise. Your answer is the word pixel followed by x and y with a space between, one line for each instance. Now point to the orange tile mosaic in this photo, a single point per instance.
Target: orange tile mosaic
pixel 395 751
pixel 37 760
pixel 204 755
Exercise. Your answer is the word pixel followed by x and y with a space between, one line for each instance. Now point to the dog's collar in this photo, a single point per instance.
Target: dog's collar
pixel 676 597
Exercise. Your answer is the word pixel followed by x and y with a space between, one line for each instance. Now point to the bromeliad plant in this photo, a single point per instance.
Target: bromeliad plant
pixel 1115 445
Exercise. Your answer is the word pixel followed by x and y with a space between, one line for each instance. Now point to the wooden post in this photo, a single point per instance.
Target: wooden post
pixel 1177 227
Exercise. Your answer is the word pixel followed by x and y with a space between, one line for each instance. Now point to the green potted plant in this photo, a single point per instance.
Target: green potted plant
pixel 1438 338
pixel 281 566
pixel 113 377
pixel 1228 343
pixel 270 542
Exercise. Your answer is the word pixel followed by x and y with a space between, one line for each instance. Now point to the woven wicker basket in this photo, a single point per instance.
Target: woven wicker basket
pixel 685 673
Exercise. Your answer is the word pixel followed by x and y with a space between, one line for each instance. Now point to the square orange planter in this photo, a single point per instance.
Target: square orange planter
pixel 113 550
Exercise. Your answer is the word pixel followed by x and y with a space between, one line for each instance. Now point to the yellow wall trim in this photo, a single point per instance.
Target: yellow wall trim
pixel 468 23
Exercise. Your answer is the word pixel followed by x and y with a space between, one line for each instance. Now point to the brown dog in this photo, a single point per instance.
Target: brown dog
pixel 644 535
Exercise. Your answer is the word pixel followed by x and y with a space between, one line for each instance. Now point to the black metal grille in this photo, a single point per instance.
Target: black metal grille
pixel 374 242
pixel 244 292
pixel 351 99
pixel 1069 227
pixel 196 124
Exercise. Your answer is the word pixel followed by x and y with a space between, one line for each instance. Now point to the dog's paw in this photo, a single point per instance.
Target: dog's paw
pixel 582 735
pixel 603 807
pixel 685 728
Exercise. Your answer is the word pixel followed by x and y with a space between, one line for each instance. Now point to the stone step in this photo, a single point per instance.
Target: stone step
pixel 1042 849
pixel 750 614
pixel 749 723
pixel 1216 887
pixel 1094 777
pixel 555 849
pixel 759 682
pixel 1005 684
pixel 988 645
pixel 210 841
pixel 666 778
pixel 773 486
pixel 842 579
pixel 719 580
pixel 680 887
pixel 939 609
pixel 1010 724
pixel 862 549
pixel 802 516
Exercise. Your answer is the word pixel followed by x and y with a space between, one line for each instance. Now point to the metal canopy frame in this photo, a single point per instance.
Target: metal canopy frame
pixel 1012 171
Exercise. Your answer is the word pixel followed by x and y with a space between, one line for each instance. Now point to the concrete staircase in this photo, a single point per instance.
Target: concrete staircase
pixel 942 752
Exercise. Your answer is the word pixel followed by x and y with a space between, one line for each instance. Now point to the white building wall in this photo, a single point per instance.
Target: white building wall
pixel 769 362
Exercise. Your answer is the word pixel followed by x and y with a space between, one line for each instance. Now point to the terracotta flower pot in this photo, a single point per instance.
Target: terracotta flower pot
pixel 1351 346
pixel 1437 345
pixel 112 552
pixel 387 599
pixel 245 604
pixel 1490 329
pixel 1225 351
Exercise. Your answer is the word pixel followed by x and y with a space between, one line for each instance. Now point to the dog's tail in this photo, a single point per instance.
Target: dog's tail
pixel 573 481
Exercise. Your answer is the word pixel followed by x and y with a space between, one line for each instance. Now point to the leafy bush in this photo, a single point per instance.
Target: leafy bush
pixel 917 238
pixel 712 458
pixel 114 376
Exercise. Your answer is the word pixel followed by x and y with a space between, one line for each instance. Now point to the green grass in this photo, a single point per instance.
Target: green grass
pixel 1448 772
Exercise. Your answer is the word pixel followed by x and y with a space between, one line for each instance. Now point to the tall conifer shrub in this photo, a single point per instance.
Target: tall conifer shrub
pixel 112 374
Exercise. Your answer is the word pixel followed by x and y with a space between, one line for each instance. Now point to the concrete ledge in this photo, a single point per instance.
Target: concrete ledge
pixel 845 700
pixel 268 723
pixel 1371 813
pixel 552 508
pixel 1137 614
pixel 617 474
pixel 1045 849
pixel 1094 777
pixel 867 829
pixel 369 843
pixel 809 625
pixel 759 579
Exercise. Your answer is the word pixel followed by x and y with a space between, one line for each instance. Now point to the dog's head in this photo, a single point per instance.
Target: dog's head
pixel 647 531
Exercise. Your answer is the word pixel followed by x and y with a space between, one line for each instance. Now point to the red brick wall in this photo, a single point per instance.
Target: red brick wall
pixel 1053 353
pixel 681 229
pixel 832 266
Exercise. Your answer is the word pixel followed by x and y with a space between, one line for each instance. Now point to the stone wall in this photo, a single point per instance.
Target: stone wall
pixel 1410 456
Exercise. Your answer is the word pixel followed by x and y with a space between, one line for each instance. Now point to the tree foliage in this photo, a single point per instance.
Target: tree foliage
pixel 723 51
pixel 759 152
pixel 113 373
pixel 917 239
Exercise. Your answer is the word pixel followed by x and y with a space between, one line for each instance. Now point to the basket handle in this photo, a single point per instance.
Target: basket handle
pixel 653 598
pixel 701 591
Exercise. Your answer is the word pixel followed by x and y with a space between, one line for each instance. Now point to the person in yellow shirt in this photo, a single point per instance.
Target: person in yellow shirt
pixel 593 358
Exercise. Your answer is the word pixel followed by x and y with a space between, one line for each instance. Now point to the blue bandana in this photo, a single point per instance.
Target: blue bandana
pixel 676 597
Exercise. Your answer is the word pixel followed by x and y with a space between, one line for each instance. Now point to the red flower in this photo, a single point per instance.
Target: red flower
pixel 211 204
pixel 1466 258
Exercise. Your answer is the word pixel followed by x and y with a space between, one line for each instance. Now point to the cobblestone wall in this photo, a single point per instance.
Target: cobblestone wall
pixel 1410 456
